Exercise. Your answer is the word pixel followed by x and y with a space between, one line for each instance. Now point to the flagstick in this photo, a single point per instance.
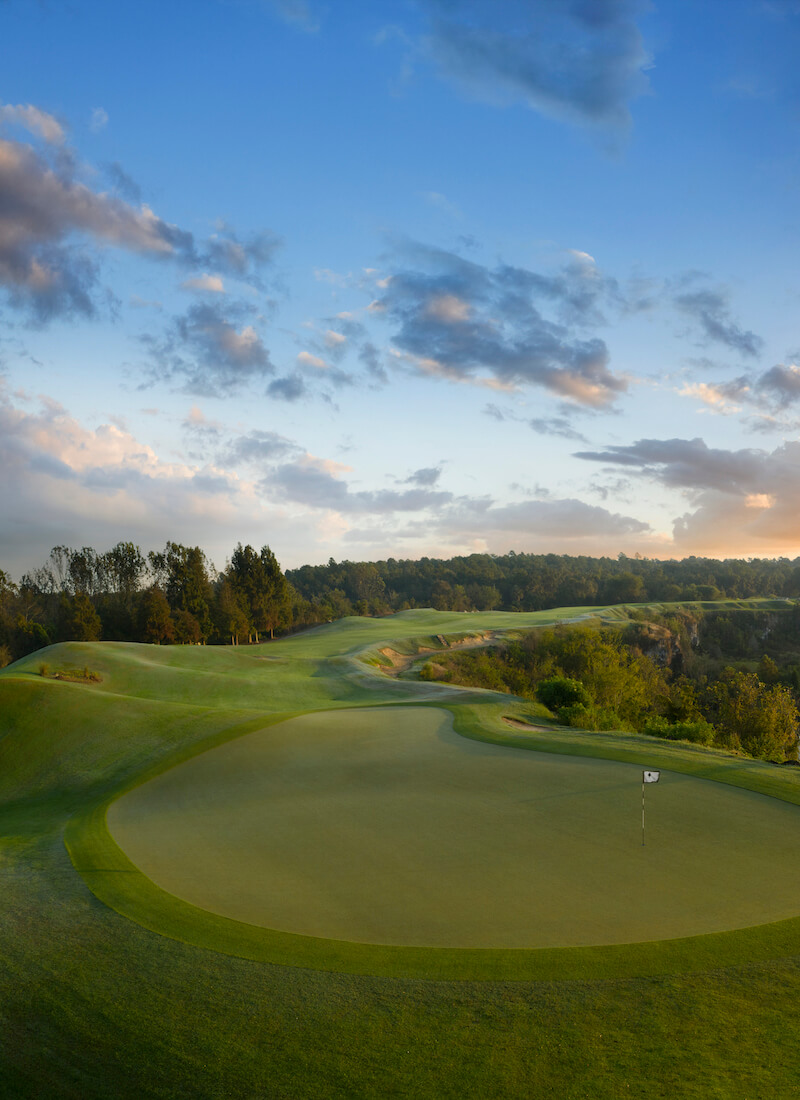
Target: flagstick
pixel 643 809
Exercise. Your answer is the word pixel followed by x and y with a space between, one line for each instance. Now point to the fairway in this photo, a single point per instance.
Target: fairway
pixel 382 825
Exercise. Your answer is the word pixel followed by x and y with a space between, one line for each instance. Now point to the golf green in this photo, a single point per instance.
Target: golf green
pixel 382 825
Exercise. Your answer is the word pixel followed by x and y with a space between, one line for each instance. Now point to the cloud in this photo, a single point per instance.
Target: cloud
pixel 197 423
pixel 209 284
pixel 315 366
pixel 442 203
pixel 580 62
pixel 437 515
pixel 541 519
pixel 709 309
pixel 33 120
pixel 298 13
pixel 66 481
pixel 743 501
pixel 52 226
pixel 306 359
pixel 781 384
pixel 689 464
pixel 720 397
pixel 289 388
pixel 123 183
pixel 458 320
pixel 371 357
pixel 257 448
pixel 554 425
pixel 42 208
pixel 334 340
pixel 316 483
pixel 211 349
pixel 226 252
pixel 77 485
pixel 427 477
pixel 99 120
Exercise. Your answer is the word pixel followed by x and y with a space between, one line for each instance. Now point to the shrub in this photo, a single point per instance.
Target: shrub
pixel 698 731
pixel 590 717
pixel 559 692
pixel 578 714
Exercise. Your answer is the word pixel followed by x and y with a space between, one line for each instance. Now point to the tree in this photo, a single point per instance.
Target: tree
pixel 123 568
pixel 749 715
pixel 232 617
pixel 182 573
pixel 187 628
pixel 155 622
pixel 78 621
pixel 260 588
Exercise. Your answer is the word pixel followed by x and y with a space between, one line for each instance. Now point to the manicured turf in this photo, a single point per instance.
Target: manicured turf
pixel 95 1004
pixel 384 826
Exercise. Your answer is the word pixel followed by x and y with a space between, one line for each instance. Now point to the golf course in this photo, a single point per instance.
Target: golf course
pixel 296 870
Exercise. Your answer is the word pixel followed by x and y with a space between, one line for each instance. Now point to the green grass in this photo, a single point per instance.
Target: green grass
pixel 384 826
pixel 93 1004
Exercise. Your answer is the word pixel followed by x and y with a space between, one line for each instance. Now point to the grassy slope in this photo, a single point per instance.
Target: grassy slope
pixel 95 1005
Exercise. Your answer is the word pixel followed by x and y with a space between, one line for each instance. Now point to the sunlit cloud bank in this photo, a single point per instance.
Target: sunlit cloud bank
pixel 64 482
pixel 744 502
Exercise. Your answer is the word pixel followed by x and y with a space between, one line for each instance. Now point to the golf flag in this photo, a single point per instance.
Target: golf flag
pixel 651 777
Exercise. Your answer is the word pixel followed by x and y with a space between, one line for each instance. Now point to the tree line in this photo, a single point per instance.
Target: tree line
pixel 176 595
pixel 170 596
pixel 534 582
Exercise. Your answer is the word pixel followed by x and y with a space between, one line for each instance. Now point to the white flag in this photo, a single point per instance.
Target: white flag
pixel 651 777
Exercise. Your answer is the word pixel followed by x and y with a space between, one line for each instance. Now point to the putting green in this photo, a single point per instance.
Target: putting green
pixel 384 826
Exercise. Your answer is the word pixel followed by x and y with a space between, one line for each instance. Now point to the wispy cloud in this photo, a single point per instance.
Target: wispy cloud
pixel 207 284
pixel 426 477
pixel 298 13
pixel 34 120
pixel 211 348
pixel 580 62
pixel 710 311
pixel 290 387
pixel 317 483
pixel 99 120
pixel 724 398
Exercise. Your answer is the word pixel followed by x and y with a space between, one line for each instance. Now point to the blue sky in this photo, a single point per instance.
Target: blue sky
pixel 362 280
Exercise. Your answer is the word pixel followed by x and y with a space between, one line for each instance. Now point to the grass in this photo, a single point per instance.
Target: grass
pixel 384 826
pixel 96 1005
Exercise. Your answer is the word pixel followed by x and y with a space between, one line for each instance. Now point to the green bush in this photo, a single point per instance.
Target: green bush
pixel 699 731
pixel 581 716
pixel 560 692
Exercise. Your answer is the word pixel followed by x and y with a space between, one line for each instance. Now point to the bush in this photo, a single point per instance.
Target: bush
pixel 590 717
pixel 699 731
pixel 560 692
pixel 578 714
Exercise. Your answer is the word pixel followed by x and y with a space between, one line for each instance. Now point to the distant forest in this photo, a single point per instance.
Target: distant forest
pixel 176 595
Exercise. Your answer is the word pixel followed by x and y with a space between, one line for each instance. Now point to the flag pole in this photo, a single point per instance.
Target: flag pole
pixel 648 776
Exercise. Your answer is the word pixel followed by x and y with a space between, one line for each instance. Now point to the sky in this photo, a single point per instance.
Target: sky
pixel 395 278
